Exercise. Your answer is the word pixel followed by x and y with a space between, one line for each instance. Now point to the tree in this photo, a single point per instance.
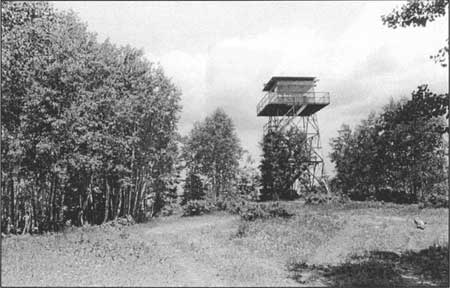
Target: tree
pixel 194 188
pixel 213 150
pixel 418 13
pixel 248 178
pixel 397 155
pixel 88 128
pixel 284 160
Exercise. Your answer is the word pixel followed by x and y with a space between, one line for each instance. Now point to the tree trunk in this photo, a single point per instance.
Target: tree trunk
pixel 51 196
pixel 136 196
pixel 107 202
pixel 120 202
pixel 129 200
pixel 12 210
pixel 62 206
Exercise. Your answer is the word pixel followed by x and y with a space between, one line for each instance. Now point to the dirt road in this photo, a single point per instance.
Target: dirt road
pixel 202 251
pixel 172 251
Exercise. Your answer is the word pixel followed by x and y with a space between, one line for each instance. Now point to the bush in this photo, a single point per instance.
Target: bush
pixel 438 197
pixel 388 194
pixel 322 198
pixel 169 209
pixel 233 206
pixel 435 200
pixel 196 207
pixel 253 211
pixel 316 198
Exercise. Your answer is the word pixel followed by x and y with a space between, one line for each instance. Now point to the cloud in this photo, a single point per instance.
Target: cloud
pixel 362 67
pixel 188 72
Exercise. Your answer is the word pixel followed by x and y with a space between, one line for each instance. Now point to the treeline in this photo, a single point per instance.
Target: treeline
pixel 88 128
pixel 398 155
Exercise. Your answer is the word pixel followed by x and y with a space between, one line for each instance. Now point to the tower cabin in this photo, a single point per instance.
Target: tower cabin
pixel 291 96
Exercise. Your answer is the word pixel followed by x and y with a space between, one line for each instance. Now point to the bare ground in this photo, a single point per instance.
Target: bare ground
pixel 207 256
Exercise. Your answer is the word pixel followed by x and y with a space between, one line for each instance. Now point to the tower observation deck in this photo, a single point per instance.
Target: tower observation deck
pixel 293 101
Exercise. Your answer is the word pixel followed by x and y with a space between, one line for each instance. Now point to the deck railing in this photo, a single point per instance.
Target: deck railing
pixel 293 99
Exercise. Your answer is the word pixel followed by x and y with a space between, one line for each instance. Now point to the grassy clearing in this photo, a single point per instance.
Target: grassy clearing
pixel 319 245
pixel 82 257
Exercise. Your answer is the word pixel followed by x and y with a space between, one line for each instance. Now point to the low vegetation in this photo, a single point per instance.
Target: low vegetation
pixel 107 254
pixel 196 207
pixel 342 244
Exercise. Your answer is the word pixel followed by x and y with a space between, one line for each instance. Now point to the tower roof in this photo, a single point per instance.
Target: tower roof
pixel 275 79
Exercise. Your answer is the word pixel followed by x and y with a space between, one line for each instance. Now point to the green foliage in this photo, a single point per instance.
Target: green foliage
pixel 194 189
pixel 252 211
pixel 318 195
pixel 196 207
pixel 437 197
pixel 284 161
pixel 212 149
pixel 317 198
pixel 397 155
pixel 232 205
pixel 248 179
pixel 88 128
pixel 168 209
pixel 416 14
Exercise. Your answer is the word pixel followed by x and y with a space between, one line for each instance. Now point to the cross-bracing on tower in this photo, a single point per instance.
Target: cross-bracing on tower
pixel 293 101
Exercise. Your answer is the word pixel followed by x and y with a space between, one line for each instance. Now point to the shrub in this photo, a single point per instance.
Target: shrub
pixel 316 198
pixel 252 211
pixel 399 196
pixel 196 207
pixel 233 206
pixel 169 209
pixel 438 197
pixel 321 197
pixel 436 201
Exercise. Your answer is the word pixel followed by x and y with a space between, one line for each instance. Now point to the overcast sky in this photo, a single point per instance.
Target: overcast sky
pixel 220 53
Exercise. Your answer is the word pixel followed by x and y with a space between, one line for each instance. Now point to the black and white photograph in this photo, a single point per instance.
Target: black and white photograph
pixel 225 143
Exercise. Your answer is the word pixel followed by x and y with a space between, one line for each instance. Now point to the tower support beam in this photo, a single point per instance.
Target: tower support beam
pixel 292 102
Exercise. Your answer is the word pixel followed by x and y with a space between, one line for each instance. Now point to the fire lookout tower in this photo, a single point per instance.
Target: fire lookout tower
pixel 292 101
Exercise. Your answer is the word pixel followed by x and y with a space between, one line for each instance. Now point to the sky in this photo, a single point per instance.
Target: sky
pixel 219 54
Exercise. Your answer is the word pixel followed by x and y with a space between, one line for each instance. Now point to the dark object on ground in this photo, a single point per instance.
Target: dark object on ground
pixel 419 223
pixel 380 269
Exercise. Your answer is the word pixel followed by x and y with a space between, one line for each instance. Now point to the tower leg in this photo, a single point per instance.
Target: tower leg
pixel 315 174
